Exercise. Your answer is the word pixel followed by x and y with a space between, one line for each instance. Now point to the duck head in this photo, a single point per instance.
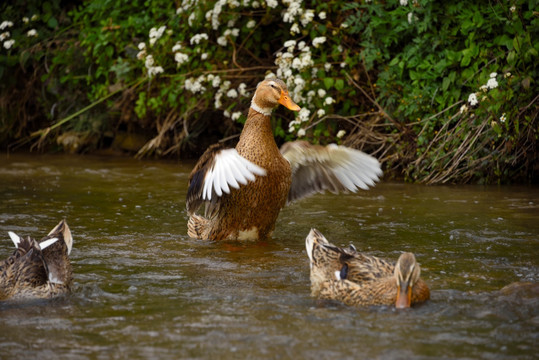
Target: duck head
pixel 407 273
pixel 269 94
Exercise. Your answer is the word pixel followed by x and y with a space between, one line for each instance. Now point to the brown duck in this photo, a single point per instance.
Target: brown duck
pixel 243 189
pixel 357 279
pixel 38 269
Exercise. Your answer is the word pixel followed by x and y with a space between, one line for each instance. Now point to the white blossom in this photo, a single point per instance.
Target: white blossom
pixel 236 115
pixel 226 113
pixel 221 40
pixel 218 102
pixel 216 81
pixel 329 100
pixel 341 133
pixel 251 24
pixel 191 18
pixel 6 24
pixel 472 99
pixel 289 44
pixel 9 43
pixel 25 20
pixel 319 40
pixel 272 3
pixel 344 25
pixel 322 15
pixel 301 45
pixel 152 41
pixel 255 4
pixel 492 83
pixel 303 114
pixel 242 89
pixel 177 47
pixel 181 58
pixel 502 118
pixel 154 70
pixel 513 8
pixel 4 35
pixel 321 93
pixel 294 29
pixel 321 112
pixel 232 93
pixel 403 2
pixel 301 132
pixel 157 33
pixel 203 56
pixel 493 75
pixel 141 54
pixel 34 17
pixel 327 66
pixel 149 61
pixel 32 32
pixel 507 74
pixel 194 85
pixel 463 109
pixel 142 46
pixel 198 37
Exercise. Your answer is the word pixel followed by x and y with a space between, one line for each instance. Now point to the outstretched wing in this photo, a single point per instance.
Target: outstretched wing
pixel 335 168
pixel 217 171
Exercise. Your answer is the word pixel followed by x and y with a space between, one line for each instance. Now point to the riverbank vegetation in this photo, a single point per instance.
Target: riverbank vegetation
pixel 439 92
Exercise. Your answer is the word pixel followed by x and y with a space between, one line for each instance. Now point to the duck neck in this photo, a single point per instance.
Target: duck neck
pixel 257 135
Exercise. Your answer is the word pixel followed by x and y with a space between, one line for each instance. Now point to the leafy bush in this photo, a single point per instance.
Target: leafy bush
pixel 395 77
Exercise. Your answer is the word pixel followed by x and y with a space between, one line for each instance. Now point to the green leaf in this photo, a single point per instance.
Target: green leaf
pixel 52 23
pixel 339 84
pixel 328 83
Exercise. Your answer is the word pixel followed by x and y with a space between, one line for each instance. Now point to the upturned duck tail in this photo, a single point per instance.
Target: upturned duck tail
pixel 197 226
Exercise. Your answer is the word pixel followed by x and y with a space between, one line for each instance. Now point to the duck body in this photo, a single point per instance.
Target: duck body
pixel 356 279
pixel 38 269
pixel 243 189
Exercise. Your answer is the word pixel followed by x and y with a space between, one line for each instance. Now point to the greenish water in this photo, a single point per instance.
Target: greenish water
pixel 143 289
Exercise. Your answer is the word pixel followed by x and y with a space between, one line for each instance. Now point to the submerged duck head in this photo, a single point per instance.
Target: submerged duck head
pixel 269 94
pixel 407 273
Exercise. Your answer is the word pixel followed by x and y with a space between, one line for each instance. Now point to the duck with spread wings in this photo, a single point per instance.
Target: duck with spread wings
pixel 244 188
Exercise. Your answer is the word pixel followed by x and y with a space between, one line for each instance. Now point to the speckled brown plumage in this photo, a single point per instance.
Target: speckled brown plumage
pixel 256 205
pixel 34 273
pixel 357 279
pixel 297 170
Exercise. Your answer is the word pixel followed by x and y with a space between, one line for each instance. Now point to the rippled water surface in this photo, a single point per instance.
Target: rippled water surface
pixel 143 289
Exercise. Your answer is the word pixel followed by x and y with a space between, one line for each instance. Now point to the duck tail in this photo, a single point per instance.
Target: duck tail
pixel 196 226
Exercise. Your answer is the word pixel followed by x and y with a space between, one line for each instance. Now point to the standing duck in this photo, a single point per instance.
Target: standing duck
pixel 243 189
pixel 38 269
pixel 357 279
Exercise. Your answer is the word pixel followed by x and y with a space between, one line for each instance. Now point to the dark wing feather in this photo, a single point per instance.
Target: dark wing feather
pixel 334 168
pixel 56 255
pixel 196 178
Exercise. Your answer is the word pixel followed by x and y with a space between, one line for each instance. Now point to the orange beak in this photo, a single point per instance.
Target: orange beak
pixel 287 102
pixel 404 297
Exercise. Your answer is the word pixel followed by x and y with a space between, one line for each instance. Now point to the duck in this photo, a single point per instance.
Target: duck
pixel 357 279
pixel 38 270
pixel 243 189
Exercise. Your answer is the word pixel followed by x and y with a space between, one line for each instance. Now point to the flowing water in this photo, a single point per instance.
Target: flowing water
pixel 143 289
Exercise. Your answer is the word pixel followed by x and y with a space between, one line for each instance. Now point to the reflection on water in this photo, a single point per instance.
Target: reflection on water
pixel 144 289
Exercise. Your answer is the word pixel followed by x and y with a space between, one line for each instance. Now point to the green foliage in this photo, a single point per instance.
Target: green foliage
pixel 391 75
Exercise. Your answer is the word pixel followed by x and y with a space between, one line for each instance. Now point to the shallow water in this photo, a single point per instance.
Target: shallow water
pixel 143 289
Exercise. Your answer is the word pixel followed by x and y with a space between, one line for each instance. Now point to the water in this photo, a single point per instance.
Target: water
pixel 143 289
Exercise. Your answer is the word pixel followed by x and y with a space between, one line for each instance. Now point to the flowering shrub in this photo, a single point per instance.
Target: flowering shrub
pixel 409 81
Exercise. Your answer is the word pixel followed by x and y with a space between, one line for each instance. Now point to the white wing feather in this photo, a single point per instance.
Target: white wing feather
pixel 15 238
pixel 229 169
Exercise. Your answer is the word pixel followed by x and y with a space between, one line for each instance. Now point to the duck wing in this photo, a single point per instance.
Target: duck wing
pixel 217 171
pixel 333 167
pixel 56 254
